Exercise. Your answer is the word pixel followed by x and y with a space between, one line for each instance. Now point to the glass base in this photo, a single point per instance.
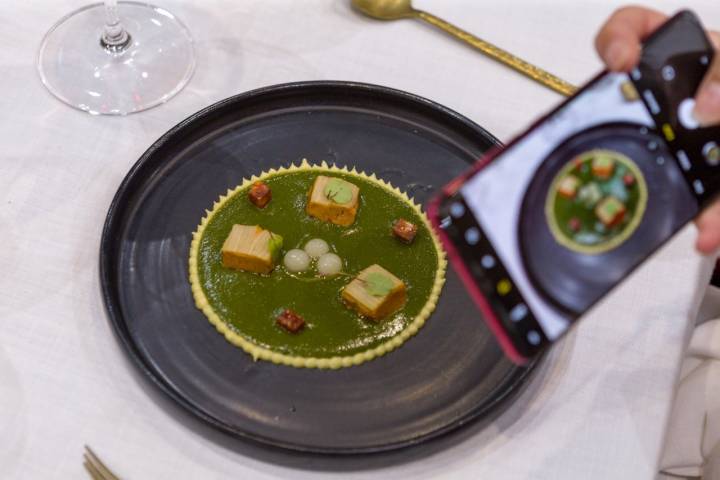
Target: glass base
pixel 149 70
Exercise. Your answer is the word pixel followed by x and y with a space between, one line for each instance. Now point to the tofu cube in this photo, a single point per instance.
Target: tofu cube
pixel 603 166
pixel 251 248
pixel 375 293
pixel 260 194
pixel 404 230
pixel 568 186
pixel 334 200
pixel 290 321
pixel 590 194
pixel 610 211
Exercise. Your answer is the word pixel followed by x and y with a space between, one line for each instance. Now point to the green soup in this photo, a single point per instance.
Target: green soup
pixel 248 303
pixel 574 219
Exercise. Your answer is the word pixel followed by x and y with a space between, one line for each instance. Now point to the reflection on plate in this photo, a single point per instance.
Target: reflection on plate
pixel 596 201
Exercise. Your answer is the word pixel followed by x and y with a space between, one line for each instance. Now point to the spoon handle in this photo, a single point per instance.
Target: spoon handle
pixel 502 56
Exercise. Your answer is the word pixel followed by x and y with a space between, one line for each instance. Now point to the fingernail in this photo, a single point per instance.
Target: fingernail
pixel 616 55
pixel 707 104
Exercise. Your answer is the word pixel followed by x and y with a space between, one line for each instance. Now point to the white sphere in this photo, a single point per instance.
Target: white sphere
pixel 329 264
pixel 317 247
pixel 296 260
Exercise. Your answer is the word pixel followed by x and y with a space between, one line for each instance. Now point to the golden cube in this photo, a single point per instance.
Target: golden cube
pixel 610 211
pixel 251 248
pixel 375 292
pixel 568 186
pixel 334 200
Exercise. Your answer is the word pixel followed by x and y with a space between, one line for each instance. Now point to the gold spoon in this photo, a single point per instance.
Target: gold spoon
pixel 397 9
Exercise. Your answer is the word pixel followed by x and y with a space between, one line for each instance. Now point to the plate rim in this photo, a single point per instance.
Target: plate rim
pixel 117 321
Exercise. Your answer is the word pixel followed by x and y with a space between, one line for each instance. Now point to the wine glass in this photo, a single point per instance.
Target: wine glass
pixel 116 58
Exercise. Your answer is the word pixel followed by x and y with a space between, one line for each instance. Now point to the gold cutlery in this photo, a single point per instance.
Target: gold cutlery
pixel 397 9
pixel 96 468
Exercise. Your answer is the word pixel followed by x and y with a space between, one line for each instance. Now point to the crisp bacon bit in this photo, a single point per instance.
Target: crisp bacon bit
pixel 260 194
pixel 290 321
pixel 628 179
pixel 404 230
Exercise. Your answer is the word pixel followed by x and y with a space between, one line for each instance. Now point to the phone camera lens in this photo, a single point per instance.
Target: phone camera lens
pixel 668 73
pixel 711 151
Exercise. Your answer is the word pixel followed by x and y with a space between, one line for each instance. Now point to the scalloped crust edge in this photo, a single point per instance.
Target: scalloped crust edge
pixel 261 353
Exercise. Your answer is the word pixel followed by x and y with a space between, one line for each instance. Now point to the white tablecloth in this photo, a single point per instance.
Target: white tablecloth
pixel 598 410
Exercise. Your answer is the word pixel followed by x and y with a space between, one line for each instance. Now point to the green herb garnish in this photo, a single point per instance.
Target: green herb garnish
pixel 275 245
pixel 339 191
pixel 377 284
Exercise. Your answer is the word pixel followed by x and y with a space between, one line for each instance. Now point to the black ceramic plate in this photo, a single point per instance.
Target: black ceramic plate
pixel 448 374
pixel 574 281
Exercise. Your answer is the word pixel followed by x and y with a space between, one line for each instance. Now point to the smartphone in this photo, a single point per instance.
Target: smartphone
pixel 543 228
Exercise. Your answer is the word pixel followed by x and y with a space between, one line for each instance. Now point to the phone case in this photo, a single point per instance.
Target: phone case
pixel 483 304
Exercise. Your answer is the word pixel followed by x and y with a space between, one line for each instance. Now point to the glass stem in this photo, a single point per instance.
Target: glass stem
pixel 114 38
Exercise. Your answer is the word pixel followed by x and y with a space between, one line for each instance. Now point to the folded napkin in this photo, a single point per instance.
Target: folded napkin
pixel 692 447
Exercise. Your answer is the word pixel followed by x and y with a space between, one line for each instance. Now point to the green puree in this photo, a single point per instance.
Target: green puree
pixel 574 221
pixel 248 303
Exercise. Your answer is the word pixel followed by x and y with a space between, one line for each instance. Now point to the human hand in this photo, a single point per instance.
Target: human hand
pixel 619 44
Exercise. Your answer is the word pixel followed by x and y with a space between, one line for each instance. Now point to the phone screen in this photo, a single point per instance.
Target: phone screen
pixel 570 208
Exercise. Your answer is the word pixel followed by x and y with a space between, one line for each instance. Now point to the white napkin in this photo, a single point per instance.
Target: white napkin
pixel 692 446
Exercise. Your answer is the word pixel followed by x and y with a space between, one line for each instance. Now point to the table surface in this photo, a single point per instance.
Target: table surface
pixel 597 409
